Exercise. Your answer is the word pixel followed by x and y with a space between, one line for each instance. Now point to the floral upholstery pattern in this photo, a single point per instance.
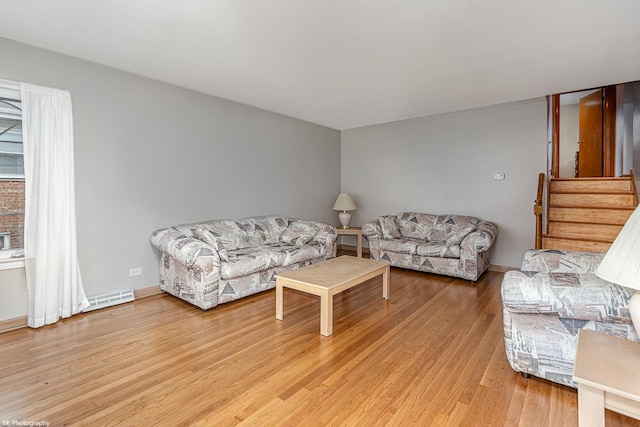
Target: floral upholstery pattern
pixel 218 261
pixel 543 310
pixel 453 245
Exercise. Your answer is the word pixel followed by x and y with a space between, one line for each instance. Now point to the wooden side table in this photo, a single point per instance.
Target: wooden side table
pixel 607 371
pixel 351 231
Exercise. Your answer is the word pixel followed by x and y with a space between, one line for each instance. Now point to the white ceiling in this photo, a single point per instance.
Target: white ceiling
pixel 347 63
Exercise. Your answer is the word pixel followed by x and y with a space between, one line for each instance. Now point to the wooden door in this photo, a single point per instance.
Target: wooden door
pixel 591 147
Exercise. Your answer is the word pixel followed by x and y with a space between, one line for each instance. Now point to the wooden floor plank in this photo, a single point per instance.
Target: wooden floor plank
pixel 433 354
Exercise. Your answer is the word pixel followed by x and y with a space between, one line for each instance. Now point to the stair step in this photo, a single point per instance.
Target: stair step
pixel 604 232
pixel 587 214
pixel 569 244
pixel 591 185
pixel 605 200
pixel 610 216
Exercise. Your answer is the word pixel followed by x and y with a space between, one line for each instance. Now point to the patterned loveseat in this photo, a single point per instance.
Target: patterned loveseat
pixel 218 261
pixel 548 301
pixel 453 245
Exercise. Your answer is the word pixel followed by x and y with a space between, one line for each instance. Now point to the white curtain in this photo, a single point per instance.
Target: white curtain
pixel 54 284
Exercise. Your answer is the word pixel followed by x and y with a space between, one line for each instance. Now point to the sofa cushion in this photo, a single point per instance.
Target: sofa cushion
pixel 556 261
pixel 457 234
pixel 567 295
pixel 286 254
pixel 451 228
pixel 209 238
pixel 400 246
pixel 438 249
pixel 295 255
pixel 415 225
pixel 262 230
pixel 246 261
pixel 298 233
pixel 246 233
pixel 389 227
pixel 228 234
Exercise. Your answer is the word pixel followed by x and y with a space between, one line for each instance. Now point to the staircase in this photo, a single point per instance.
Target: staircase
pixel 586 214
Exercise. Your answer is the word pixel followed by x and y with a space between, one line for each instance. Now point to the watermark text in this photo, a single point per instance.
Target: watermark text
pixel 27 423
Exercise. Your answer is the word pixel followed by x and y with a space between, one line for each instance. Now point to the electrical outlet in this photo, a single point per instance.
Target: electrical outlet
pixel 498 177
pixel 135 271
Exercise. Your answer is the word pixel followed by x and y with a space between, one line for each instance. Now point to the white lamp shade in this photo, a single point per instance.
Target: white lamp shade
pixel 621 264
pixel 344 203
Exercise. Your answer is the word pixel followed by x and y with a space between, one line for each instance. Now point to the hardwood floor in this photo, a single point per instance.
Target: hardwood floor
pixel 431 355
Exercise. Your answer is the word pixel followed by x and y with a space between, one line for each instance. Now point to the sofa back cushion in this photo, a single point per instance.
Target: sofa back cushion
pixel 244 233
pixel 451 229
pixel 298 233
pixel 415 225
pixel 389 226
pixel 210 238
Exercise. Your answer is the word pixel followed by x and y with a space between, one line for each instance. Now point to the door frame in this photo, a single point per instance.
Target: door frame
pixel 609 133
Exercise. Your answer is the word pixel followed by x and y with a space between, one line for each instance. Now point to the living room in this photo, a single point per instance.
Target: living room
pixel 150 154
pixel 157 171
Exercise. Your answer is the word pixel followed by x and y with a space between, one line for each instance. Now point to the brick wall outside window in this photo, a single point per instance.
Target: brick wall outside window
pixel 12 212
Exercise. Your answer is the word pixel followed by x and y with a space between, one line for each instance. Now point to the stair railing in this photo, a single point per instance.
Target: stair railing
pixel 537 210
pixel 633 187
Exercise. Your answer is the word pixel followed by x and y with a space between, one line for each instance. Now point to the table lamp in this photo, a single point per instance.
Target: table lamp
pixel 344 203
pixel 621 263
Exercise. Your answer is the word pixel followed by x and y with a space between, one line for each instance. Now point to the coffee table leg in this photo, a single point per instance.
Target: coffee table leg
pixel 279 298
pixel 590 406
pixel 326 314
pixel 385 282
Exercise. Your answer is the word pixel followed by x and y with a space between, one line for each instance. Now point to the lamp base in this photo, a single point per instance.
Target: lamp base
pixel 634 310
pixel 345 219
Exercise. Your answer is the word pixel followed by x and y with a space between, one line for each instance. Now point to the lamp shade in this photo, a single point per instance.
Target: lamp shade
pixel 344 202
pixel 621 264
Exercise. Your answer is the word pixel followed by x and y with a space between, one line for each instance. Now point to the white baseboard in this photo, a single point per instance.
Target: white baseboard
pixel 21 321
pixel 147 292
pixel 11 324
pixel 500 268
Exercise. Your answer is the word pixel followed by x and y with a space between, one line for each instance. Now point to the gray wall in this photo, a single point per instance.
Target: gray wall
pixel 569 136
pixel 150 155
pixel 445 164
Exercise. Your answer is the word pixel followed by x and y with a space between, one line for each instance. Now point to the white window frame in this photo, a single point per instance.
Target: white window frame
pixel 10 90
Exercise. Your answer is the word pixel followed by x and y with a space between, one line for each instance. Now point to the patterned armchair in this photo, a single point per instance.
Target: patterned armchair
pixel 548 301
pixel 218 261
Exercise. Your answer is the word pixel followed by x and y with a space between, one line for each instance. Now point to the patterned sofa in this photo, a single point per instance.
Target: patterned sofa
pixel 218 261
pixel 453 245
pixel 548 301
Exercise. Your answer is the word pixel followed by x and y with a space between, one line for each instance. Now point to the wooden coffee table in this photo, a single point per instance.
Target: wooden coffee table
pixel 329 278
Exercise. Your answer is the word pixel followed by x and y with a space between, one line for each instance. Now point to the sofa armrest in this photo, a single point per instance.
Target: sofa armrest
pixel 326 234
pixel 548 260
pixel 187 250
pixel 479 240
pixel 566 295
pixel 372 230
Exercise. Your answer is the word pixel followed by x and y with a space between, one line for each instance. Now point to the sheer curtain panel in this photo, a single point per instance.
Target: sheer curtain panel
pixel 54 283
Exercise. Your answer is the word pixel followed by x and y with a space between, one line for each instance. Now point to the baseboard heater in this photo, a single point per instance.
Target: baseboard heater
pixel 110 299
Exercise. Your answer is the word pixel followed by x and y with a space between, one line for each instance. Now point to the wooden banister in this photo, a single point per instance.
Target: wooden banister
pixel 537 211
pixel 633 187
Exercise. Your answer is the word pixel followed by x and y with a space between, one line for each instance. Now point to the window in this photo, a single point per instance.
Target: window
pixel 11 173
pixel 11 160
